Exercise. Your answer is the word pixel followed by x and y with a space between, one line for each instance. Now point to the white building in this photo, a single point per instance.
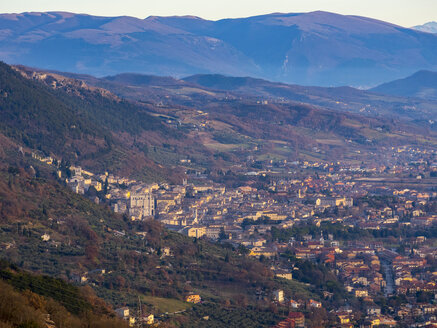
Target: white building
pixel 122 312
pixel 141 205
pixel 330 202
pixel 278 295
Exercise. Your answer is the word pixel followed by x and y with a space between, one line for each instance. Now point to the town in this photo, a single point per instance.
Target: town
pixel 371 225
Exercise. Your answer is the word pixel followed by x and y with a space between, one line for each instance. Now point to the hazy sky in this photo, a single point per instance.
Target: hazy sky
pixel 403 12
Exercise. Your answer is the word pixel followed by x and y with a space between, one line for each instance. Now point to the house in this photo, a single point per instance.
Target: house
pixel 344 317
pixel 132 321
pixel 294 304
pixel 141 204
pixel 314 304
pixel 294 319
pixel 148 319
pixel 122 312
pixel 298 318
pixel 266 251
pixel 328 202
pixel 360 281
pixel 80 279
pixel 193 298
pixel 423 221
pixel 361 293
pixel 213 232
pixel 325 202
pixel 278 295
pixel 373 310
pixel 76 170
pixel 258 242
pixel 45 237
pixel 384 321
pixel 282 273
pixel 166 251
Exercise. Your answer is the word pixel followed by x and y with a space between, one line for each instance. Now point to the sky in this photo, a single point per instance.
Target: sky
pixel 406 13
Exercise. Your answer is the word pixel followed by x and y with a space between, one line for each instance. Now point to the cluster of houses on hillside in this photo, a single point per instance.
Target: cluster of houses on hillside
pixel 372 198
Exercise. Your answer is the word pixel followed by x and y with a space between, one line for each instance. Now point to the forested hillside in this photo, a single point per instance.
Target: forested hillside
pixel 36 301
pixel 84 125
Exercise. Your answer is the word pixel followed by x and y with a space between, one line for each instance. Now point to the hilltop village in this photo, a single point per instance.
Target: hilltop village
pixel 371 225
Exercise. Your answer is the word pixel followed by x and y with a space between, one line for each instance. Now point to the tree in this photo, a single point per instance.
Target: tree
pixel 91 252
pixel 105 186
pixel 222 235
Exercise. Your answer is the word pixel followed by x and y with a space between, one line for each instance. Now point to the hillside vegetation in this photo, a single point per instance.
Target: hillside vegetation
pixel 36 301
pixel 83 125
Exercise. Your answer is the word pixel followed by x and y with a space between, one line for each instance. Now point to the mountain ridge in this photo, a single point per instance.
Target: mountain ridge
pixel 422 84
pixel 161 90
pixel 290 48
pixel 430 27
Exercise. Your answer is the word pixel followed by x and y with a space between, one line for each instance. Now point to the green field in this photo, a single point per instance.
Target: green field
pixel 164 305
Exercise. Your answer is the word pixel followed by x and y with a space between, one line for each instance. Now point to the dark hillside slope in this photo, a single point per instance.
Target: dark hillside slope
pixel 422 84
pixel 29 300
pixel 33 115
pixel 81 124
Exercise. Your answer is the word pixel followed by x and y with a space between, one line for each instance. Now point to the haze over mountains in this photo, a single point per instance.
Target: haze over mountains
pixel 316 48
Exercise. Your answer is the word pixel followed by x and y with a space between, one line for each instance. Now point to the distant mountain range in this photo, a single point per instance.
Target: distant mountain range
pixel 390 101
pixel 196 90
pixel 422 84
pixel 430 27
pixel 316 48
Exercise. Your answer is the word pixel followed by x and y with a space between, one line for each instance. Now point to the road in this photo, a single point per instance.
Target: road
pixel 390 286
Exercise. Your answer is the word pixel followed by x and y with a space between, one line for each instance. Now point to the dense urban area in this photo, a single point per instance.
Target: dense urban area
pixel 370 225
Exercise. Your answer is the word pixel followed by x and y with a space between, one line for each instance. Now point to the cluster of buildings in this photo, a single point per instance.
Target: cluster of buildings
pixel 126 196
pixel 369 271
pixel 396 192
pixel 135 320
